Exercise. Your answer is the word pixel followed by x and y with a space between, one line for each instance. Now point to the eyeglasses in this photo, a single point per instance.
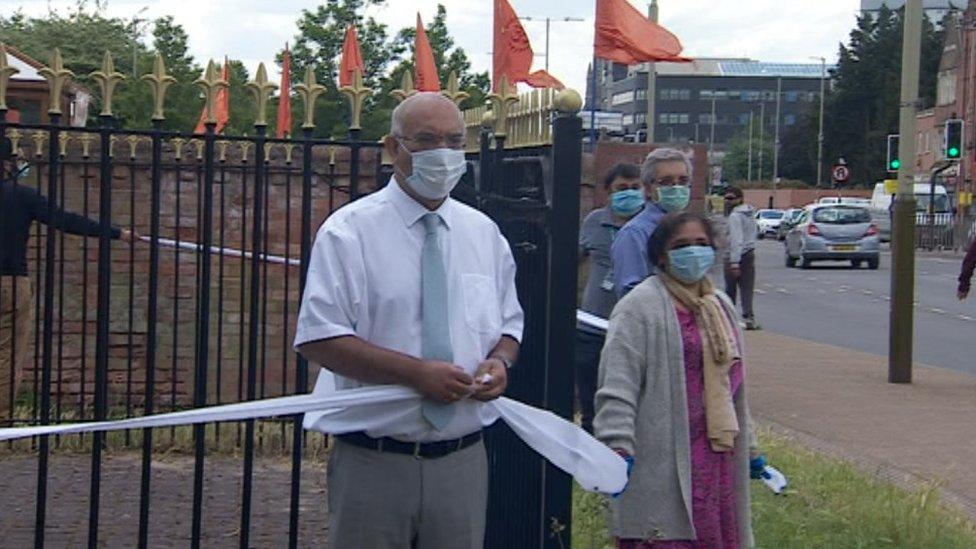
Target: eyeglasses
pixel 671 181
pixel 429 141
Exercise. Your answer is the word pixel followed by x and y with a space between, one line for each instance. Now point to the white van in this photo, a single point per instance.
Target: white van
pixel 881 205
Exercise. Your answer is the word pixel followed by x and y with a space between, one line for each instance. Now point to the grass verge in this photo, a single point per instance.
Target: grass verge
pixel 829 504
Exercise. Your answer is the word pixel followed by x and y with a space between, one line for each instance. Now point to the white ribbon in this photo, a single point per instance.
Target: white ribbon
pixel 592 320
pixel 229 252
pixel 592 464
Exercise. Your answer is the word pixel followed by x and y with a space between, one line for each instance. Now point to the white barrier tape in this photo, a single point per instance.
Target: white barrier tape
pixel 592 320
pixel 593 465
pixel 229 252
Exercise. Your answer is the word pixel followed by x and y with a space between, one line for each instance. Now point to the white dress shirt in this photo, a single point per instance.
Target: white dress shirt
pixel 364 281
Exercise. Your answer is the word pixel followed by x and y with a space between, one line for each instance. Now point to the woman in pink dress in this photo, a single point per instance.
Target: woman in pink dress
pixel 672 401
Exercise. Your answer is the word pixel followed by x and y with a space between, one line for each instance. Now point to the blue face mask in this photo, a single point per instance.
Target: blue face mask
pixel 691 263
pixel 627 202
pixel 673 198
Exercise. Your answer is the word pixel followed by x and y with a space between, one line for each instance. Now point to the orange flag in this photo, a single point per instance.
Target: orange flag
pixel 222 106
pixel 512 54
pixel 283 127
pixel 625 36
pixel 424 69
pixel 352 59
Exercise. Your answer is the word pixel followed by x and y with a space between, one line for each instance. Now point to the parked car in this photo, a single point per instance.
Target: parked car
pixel 767 222
pixel 834 232
pixel 790 217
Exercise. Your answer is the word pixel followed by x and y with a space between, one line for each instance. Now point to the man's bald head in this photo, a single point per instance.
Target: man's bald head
pixel 425 109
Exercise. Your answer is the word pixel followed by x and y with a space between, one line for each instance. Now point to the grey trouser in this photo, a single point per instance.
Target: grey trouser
pixel 384 500
pixel 746 281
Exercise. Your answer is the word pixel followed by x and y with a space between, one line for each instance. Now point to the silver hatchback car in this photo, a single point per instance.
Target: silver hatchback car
pixel 834 232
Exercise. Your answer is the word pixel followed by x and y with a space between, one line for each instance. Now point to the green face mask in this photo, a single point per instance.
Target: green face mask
pixel 674 198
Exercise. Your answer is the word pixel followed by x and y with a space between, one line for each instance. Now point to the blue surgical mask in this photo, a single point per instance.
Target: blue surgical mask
pixel 673 198
pixel 691 263
pixel 627 202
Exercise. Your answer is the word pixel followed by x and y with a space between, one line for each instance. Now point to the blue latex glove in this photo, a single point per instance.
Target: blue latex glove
pixel 757 466
pixel 630 467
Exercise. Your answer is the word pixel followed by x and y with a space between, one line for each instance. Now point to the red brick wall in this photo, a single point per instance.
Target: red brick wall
pixel 76 313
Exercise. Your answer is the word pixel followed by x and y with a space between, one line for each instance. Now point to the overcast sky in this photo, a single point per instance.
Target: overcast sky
pixel 767 30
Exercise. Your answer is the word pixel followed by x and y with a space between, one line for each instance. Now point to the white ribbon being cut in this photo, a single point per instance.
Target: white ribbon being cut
pixel 592 464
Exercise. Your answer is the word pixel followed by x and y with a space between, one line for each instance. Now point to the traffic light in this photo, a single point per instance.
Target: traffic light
pixel 894 163
pixel 953 139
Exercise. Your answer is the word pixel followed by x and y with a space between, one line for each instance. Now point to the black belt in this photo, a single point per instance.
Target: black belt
pixel 419 450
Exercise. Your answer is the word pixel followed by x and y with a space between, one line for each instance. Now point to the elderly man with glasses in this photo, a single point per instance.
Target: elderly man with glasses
pixel 666 174
pixel 410 287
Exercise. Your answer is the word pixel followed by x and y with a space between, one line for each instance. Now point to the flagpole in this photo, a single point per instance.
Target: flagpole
pixel 593 106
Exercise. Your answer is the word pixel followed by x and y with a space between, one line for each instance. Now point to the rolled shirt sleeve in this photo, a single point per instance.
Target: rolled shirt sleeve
pixel 333 294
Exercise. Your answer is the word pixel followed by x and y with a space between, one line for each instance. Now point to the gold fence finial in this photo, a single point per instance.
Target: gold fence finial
pixel 107 78
pixel 158 80
pixel 211 83
pixel 57 76
pixel 309 90
pixel 568 101
pixel 261 89
pixel 63 139
pixel 502 101
pixel 453 90
pixel 406 88
pixel 6 71
pixel 357 94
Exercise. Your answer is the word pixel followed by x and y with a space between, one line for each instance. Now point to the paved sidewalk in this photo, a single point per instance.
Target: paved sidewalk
pixel 839 402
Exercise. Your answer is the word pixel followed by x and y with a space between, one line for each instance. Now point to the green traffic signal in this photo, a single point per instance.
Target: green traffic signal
pixel 953 152
pixel 895 164
pixel 953 139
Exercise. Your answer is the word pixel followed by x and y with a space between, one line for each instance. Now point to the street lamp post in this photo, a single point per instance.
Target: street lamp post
pixel 820 135
pixel 752 114
pixel 136 21
pixel 779 97
pixel 548 21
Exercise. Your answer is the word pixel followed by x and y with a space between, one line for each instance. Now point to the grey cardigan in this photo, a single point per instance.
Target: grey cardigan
pixel 642 408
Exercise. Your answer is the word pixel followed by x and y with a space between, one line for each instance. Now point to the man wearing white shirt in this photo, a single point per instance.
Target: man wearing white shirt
pixel 409 287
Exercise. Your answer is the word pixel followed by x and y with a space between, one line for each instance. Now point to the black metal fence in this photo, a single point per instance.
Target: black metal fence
pixel 201 311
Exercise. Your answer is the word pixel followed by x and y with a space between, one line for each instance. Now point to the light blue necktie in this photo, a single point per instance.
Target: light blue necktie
pixel 435 330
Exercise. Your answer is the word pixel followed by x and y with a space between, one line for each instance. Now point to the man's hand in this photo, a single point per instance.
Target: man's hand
pixel 443 382
pixel 128 236
pixel 734 270
pixel 496 386
pixel 962 294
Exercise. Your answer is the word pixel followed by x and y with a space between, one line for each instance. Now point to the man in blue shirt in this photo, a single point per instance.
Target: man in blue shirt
pixel 666 174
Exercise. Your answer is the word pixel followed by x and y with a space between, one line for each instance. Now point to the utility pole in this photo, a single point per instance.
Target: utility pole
pixel 762 136
pixel 749 169
pixel 711 139
pixel 820 135
pixel 902 329
pixel 652 14
pixel 779 97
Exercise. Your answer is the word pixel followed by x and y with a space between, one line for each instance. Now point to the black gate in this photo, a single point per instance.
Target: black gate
pixel 202 312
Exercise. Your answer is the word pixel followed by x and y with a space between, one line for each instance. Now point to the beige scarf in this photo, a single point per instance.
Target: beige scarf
pixel 719 351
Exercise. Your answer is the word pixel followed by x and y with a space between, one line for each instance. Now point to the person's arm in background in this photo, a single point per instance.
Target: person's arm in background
pixel 629 256
pixel 968 264
pixel 735 241
pixel 68 222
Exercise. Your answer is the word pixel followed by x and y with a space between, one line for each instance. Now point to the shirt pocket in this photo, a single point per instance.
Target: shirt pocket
pixel 481 311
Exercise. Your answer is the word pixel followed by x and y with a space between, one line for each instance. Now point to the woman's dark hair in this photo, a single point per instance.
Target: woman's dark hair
pixel 657 245
pixel 624 170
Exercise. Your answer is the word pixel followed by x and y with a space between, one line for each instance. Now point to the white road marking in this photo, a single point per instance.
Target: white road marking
pixel 965 318
pixel 937 311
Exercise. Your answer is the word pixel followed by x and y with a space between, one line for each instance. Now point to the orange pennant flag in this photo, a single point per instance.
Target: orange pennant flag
pixel 352 59
pixel 512 54
pixel 424 69
pixel 221 106
pixel 283 126
pixel 625 36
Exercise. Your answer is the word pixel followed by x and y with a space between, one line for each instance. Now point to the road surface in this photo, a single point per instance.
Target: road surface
pixel 832 303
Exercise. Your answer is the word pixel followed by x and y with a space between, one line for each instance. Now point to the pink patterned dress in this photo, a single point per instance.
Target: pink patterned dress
pixel 712 473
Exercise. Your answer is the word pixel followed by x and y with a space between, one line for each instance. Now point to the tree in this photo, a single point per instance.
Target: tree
pixel 863 105
pixel 735 166
pixel 183 103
